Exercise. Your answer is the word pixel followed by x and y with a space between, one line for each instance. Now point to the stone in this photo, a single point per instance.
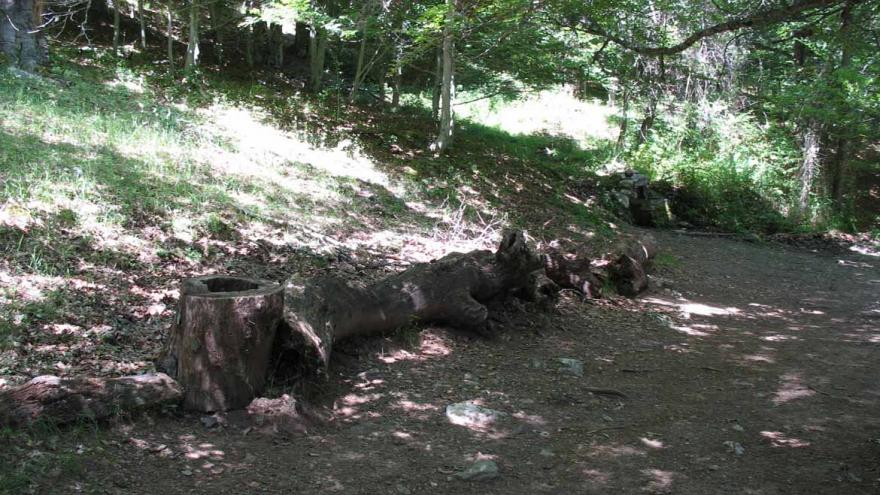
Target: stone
pixel 483 470
pixel 572 366
pixel 471 415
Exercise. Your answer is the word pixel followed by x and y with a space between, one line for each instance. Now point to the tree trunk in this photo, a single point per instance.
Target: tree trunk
pixel 218 26
pixel 453 290
pixel 438 85
pixel 21 43
pixel 276 40
pixel 317 51
pixel 624 121
pixel 65 400
pixel 143 23
pixel 809 167
pixel 116 29
pixel 192 48
pixel 220 348
pixel 398 77
pixel 170 42
pixel 447 124
pixel 628 271
pixel 837 164
pixel 359 71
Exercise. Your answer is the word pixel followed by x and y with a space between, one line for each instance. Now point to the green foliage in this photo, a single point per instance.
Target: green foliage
pixel 724 169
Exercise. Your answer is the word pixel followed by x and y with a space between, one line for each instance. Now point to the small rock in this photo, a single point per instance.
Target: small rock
pixel 738 427
pixel 186 472
pixel 735 447
pixel 572 366
pixel 469 414
pixel 211 421
pixel 546 453
pixel 483 470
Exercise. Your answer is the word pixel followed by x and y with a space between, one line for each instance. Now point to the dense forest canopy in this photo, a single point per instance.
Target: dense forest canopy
pixel 732 101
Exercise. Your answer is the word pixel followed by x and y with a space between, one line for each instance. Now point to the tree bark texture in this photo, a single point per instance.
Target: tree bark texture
pixel 192 48
pixel 447 93
pixel 21 43
pixel 220 347
pixel 453 290
pixel 317 51
pixel 629 270
pixel 66 400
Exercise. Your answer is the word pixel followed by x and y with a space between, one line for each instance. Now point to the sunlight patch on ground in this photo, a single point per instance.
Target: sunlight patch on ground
pixel 257 144
pixel 792 388
pixel 577 119
pixel 779 439
pixel 688 308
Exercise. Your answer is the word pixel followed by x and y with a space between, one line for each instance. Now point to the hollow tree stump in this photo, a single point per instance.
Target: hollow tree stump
pixel 221 344
pixel 65 400
pixel 453 290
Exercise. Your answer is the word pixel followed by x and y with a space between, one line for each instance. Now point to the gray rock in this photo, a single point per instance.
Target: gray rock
pixel 211 421
pixel 483 470
pixel 735 447
pixel 471 415
pixel 571 366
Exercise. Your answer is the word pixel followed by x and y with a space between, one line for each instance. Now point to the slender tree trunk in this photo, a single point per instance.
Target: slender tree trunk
pixel 647 121
pixel 116 30
pixel 217 25
pixel 359 71
pixel 836 165
pixel 143 23
pixel 170 33
pixel 809 167
pixel 447 124
pixel 192 49
pixel 317 51
pixel 398 76
pixel 276 39
pixel 624 121
pixel 438 85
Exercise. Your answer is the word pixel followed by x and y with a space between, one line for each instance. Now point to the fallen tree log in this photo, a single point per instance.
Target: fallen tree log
pixel 65 400
pixel 221 344
pixel 453 290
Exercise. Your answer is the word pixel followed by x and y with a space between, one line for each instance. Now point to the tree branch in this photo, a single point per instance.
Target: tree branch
pixel 758 19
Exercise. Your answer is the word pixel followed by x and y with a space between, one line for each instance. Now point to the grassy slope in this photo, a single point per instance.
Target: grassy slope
pixel 115 185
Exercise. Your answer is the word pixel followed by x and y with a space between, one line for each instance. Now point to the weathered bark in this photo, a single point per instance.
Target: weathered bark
pixel 143 23
pixel 117 32
pixel 317 51
pixel 398 76
pixel 447 94
pixel 624 121
pixel 220 347
pixel 276 40
pixel 65 400
pixel 809 167
pixel 628 271
pixel 438 85
pixel 453 290
pixel 573 272
pixel 170 42
pixel 21 43
pixel 360 71
pixel 192 48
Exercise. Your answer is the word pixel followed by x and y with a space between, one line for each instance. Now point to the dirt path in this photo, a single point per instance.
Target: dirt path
pixel 754 371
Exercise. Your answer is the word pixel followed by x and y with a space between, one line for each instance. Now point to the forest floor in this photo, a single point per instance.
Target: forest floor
pixel 748 368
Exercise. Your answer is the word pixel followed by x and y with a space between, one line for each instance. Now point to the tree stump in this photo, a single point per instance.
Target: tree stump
pixel 65 400
pixel 628 272
pixel 221 345
pixel 453 290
